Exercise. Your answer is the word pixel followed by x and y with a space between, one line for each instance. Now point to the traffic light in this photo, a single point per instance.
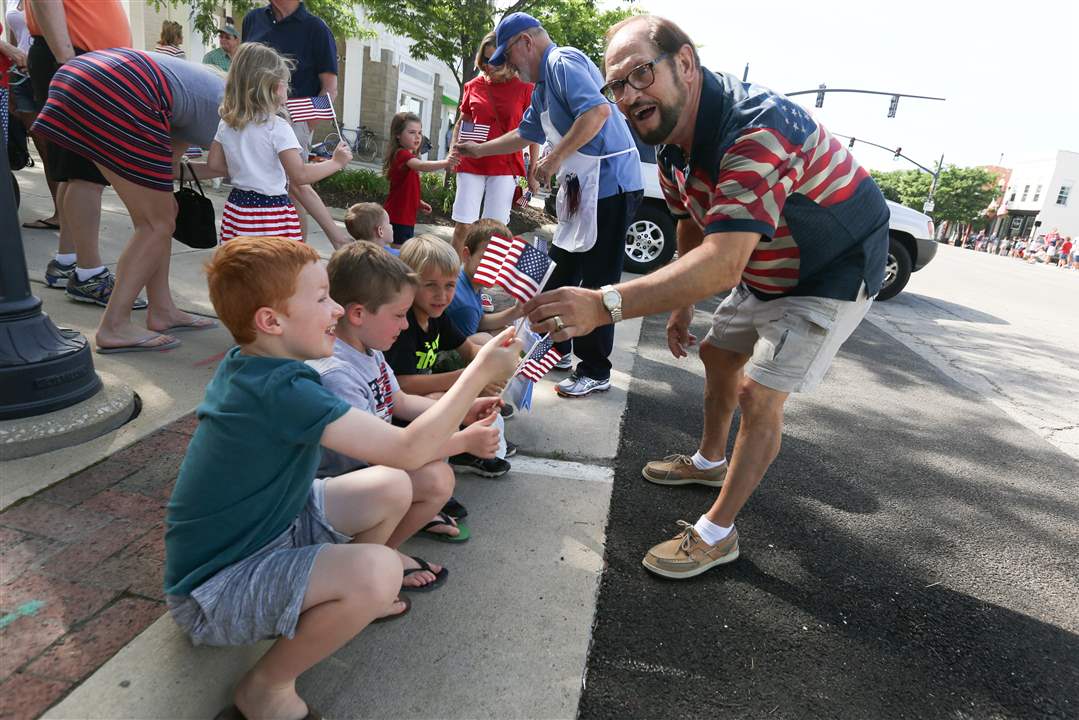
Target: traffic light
pixel 820 95
pixel 851 143
pixel 898 152
pixel 893 106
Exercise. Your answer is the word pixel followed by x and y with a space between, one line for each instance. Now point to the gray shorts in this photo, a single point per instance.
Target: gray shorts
pixel 259 597
pixel 303 135
pixel 791 341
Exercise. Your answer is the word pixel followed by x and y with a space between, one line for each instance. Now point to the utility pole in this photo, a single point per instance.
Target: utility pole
pixel 928 205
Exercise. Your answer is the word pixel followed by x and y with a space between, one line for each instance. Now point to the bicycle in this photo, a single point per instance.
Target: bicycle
pixel 362 141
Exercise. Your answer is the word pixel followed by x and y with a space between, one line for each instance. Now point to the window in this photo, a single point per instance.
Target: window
pixel 1012 198
pixel 1037 193
pixel 415 72
pixel 411 103
pixel 1026 191
pixel 1062 196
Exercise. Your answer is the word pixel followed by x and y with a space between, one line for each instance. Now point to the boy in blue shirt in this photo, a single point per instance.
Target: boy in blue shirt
pixel 466 308
pixel 255 546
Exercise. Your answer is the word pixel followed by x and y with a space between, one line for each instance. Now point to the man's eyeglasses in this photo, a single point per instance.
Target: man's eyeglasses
pixel 639 78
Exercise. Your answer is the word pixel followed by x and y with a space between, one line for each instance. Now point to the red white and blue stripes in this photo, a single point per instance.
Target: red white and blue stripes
pixel 113 107
pixel 253 214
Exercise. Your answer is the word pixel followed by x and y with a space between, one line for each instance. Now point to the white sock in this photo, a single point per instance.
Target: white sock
pixel 87 273
pixel 710 532
pixel 65 258
pixel 702 463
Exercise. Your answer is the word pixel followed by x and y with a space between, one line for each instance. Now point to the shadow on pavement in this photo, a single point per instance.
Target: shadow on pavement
pixel 910 554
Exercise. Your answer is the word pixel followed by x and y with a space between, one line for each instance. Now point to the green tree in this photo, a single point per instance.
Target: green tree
pixel 340 15
pixel 962 194
pixel 450 30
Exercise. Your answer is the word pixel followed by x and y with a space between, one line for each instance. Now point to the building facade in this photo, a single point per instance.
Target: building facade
pixel 1040 197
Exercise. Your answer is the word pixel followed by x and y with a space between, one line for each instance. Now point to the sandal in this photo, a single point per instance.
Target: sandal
pixel 454 509
pixel 443 519
pixel 395 616
pixel 440 576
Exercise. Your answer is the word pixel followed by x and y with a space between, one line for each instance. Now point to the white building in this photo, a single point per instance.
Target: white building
pixel 1041 196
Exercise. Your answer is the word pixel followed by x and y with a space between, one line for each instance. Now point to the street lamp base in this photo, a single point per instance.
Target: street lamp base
pixel 42 367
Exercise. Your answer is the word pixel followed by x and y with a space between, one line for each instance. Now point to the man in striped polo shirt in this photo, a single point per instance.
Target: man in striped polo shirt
pixel 769 206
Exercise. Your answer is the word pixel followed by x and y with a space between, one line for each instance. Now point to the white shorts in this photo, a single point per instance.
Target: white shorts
pixel 495 192
pixel 791 341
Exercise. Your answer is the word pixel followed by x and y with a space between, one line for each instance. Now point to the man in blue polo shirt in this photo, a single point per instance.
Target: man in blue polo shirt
pixel 771 206
pixel 287 27
pixel 593 155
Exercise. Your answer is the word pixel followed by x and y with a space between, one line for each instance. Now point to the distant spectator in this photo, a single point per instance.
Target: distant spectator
pixel 172 37
pixel 1065 252
pixel 370 221
pixel 228 40
pixel 287 27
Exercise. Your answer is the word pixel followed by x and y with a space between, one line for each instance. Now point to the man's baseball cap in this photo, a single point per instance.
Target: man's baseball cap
pixel 228 30
pixel 510 26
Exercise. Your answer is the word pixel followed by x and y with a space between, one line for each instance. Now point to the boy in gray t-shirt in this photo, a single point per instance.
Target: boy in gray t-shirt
pixel 376 290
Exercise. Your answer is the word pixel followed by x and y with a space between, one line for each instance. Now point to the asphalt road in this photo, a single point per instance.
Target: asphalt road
pixel 910 554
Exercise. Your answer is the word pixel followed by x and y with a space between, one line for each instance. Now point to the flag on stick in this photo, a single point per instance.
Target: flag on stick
pixel 515 265
pixel 540 360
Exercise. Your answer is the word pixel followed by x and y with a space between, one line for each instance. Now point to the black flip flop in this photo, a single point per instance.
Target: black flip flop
pixel 440 576
pixel 454 509
pixel 397 616
pixel 233 713
pixel 41 224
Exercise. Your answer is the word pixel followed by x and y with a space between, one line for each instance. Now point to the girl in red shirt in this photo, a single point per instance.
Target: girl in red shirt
pixel 403 167
pixel 491 106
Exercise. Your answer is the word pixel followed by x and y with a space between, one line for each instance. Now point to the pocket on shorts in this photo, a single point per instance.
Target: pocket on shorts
pixel 789 345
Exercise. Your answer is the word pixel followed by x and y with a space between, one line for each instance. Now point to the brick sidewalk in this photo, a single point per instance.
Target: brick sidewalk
pixel 81 570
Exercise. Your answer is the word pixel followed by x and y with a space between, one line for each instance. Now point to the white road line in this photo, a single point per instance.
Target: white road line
pixel 562 469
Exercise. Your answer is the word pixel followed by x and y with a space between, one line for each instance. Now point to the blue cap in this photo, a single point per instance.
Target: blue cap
pixel 510 26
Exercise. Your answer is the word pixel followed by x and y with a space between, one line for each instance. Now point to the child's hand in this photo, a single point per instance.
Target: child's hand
pixel 342 154
pixel 481 439
pixel 424 207
pixel 500 356
pixel 481 407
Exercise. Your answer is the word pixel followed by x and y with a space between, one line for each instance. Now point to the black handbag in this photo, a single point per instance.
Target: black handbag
pixel 196 224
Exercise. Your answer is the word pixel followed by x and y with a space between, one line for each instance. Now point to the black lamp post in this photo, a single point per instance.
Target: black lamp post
pixel 42 367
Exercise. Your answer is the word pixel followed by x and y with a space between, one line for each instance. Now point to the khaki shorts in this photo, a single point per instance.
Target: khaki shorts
pixel 791 341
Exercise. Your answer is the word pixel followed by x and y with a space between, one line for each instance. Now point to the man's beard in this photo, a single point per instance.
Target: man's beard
pixel 668 118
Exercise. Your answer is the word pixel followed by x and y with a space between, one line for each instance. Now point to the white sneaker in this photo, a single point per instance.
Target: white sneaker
pixel 565 363
pixel 581 385
pixel 487 303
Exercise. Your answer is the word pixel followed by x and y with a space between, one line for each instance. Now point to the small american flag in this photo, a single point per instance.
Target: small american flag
pixel 475 132
pixel 515 265
pixel 540 361
pixel 310 108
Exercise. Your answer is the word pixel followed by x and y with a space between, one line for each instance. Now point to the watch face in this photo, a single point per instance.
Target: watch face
pixel 610 298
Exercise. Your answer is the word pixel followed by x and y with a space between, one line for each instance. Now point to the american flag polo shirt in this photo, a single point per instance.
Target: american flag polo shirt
pixel 760 163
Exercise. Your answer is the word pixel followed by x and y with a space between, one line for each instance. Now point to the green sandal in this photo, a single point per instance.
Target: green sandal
pixel 444 519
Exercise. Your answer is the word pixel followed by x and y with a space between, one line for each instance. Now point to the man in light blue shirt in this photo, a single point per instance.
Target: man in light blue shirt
pixel 595 160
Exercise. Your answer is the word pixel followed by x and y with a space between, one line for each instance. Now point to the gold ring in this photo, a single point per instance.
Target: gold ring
pixel 558 324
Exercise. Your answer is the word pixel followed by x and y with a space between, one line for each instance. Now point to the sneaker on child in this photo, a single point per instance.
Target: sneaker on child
pixel 688 555
pixel 487 303
pixel 679 470
pixel 468 463
pixel 96 289
pixel 580 385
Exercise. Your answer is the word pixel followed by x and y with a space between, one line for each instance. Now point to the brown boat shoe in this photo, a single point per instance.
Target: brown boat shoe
pixel 687 555
pixel 679 470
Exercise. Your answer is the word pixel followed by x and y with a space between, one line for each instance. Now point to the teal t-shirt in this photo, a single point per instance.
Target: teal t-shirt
pixel 249 467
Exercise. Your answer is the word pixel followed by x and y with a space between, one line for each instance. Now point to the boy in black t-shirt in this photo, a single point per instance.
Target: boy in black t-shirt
pixel 429 332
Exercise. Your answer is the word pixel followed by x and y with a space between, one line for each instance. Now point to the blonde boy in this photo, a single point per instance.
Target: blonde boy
pixel 430 332
pixel 376 290
pixel 255 547
pixel 368 221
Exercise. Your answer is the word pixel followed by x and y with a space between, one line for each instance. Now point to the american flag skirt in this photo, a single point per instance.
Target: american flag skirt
pixel 251 213
pixel 113 107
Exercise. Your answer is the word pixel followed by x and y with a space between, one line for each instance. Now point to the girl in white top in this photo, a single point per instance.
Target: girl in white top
pixel 257 148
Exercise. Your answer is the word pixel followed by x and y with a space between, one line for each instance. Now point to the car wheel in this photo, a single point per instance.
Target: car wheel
pixel 896 270
pixel 650 240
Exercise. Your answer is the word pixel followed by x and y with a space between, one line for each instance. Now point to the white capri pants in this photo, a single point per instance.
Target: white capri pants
pixel 494 191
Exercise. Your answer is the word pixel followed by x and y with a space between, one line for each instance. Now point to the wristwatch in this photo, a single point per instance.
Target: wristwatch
pixel 612 300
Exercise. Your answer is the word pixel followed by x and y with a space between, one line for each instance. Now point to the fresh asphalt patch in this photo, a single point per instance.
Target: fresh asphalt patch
pixel 911 553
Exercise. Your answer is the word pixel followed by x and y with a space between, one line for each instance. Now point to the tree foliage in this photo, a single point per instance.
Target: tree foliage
pixel 339 15
pixel 962 194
